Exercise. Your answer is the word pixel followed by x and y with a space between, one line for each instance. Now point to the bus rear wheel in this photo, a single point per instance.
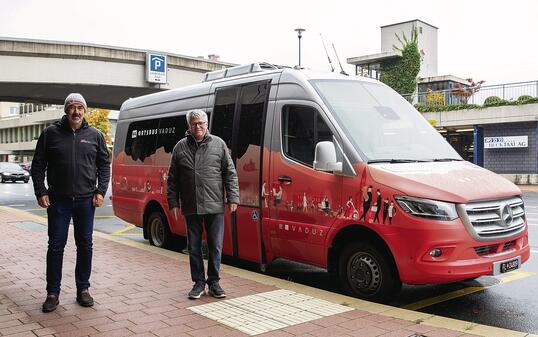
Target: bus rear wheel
pixel 158 230
pixel 367 272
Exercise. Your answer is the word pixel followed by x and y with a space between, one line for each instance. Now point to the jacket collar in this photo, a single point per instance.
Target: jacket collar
pixel 190 137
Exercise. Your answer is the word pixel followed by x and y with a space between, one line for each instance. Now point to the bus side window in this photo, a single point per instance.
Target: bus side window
pixel 141 140
pixel 302 129
pixel 171 130
pixel 224 112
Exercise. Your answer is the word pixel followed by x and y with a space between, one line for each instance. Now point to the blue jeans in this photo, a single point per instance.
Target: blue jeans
pixel 60 212
pixel 214 227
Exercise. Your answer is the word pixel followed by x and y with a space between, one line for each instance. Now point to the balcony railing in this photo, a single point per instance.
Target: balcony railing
pixel 507 92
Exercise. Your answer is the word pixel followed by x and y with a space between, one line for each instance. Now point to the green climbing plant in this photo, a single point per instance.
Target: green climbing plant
pixel 401 74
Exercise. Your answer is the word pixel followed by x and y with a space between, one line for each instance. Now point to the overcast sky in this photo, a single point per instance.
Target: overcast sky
pixel 495 41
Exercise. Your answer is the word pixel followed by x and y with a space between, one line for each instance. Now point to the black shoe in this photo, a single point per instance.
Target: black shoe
pixel 51 303
pixel 197 290
pixel 216 291
pixel 84 298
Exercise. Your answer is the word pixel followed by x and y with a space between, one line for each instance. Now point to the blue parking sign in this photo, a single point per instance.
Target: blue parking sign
pixel 156 68
pixel 157 63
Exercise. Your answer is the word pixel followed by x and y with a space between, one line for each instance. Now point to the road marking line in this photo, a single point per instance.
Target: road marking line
pixel 104 216
pixel 35 209
pixel 16 205
pixel 534 251
pixel 512 276
pixel 128 228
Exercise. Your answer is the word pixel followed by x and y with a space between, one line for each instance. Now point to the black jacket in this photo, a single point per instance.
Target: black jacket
pixel 73 161
pixel 198 175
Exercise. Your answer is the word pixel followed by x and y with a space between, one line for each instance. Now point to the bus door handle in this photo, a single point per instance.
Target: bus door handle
pixel 284 179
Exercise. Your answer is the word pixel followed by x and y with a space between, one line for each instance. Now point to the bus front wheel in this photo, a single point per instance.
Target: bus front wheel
pixel 367 272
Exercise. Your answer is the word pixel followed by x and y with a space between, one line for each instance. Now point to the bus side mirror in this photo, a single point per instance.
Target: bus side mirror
pixel 325 158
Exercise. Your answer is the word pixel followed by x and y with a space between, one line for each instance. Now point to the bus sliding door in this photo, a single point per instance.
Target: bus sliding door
pixel 238 118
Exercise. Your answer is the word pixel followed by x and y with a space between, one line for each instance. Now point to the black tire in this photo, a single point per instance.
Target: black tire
pixel 158 230
pixel 26 181
pixel 367 272
pixel 2 181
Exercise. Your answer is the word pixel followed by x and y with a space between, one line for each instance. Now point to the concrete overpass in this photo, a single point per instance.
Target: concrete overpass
pixel 45 72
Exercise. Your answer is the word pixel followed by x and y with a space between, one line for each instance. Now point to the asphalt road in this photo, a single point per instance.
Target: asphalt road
pixel 510 301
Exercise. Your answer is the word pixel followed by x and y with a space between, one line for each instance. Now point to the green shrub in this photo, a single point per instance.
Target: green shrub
pixel 422 107
pixel 524 98
pixel 493 100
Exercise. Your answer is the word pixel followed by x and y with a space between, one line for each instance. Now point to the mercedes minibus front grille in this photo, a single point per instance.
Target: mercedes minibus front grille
pixel 494 220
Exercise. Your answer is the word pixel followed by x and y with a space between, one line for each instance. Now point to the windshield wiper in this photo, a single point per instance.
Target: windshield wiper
pixel 447 159
pixel 395 161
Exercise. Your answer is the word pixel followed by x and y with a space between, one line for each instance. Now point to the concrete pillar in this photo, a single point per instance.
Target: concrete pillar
pixel 478 141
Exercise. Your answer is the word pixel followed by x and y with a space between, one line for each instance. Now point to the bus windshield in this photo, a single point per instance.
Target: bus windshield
pixel 381 123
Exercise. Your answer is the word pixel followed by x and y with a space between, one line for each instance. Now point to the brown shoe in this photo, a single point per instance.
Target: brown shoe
pixel 51 303
pixel 84 298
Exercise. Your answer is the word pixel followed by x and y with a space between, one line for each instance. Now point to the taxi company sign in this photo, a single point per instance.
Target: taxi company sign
pixel 156 68
pixel 505 142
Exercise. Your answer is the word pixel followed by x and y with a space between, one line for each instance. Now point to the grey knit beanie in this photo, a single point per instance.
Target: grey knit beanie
pixel 73 98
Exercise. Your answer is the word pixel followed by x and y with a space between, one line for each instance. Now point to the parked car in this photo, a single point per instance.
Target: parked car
pixel 13 172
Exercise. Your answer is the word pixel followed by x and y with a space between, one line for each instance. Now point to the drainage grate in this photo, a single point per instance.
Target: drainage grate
pixel 29 226
pixel 264 312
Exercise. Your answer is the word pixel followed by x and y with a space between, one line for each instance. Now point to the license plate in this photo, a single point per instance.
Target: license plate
pixel 502 267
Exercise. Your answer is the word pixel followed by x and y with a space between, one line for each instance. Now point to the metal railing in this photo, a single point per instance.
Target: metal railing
pixel 507 91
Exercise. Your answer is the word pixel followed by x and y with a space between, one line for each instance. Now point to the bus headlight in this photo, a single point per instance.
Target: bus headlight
pixel 427 208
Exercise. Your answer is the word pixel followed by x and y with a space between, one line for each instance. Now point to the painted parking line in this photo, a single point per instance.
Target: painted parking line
pixel 512 276
pixel 120 231
pixel 16 205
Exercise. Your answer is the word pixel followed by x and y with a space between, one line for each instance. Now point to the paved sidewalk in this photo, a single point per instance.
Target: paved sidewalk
pixel 141 290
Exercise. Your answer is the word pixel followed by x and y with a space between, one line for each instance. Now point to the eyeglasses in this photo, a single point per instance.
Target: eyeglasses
pixel 199 124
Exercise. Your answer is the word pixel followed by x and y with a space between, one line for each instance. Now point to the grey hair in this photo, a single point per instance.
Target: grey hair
pixel 196 113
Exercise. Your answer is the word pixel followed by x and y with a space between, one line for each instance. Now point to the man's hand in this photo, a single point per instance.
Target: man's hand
pixel 233 207
pixel 175 213
pixel 98 200
pixel 43 201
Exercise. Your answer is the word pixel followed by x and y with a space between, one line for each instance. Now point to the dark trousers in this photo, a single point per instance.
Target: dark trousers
pixel 60 212
pixel 214 227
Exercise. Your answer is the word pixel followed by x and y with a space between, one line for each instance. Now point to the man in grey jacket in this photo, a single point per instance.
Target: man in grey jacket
pixel 200 169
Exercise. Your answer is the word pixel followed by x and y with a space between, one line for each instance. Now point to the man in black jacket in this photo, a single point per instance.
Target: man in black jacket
pixel 200 169
pixel 75 159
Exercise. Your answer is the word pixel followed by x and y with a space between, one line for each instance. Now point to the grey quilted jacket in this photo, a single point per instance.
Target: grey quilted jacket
pixel 198 175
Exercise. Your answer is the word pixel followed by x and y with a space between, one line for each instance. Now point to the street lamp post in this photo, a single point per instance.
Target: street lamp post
pixel 299 35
